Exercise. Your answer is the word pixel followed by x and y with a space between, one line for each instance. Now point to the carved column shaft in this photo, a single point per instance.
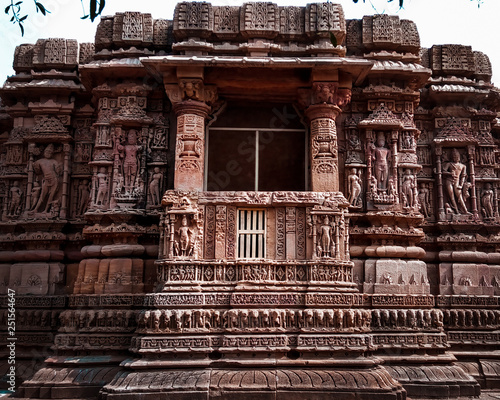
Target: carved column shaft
pixel 495 202
pixel 171 237
pixel 394 150
pixel 441 214
pixel 337 238
pixel 324 151
pixel 369 158
pixel 65 185
pixel 30 178
pixel 290 229
pixel 117 132
pixel 471 153
pixel 190 145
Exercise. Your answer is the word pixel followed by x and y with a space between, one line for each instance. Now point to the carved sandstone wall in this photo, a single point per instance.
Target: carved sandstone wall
pixel 353 235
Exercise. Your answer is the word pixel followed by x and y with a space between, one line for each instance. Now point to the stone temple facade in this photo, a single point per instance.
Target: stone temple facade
pixel 251 202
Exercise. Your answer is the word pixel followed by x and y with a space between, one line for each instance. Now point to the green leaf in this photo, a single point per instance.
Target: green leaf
pixel 333 39
pixel 19 2
pixel 7 9
pixel 84 17
pixel 22 29
pixel 23 18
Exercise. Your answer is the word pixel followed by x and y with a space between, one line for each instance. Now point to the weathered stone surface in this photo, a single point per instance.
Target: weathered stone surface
pixel 251 201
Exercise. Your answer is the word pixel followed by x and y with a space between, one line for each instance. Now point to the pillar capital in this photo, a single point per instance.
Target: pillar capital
pixel 192 107
pixel 324 110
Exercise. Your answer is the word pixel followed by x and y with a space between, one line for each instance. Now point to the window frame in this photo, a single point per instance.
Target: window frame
pixel 257 132
pixel 262 232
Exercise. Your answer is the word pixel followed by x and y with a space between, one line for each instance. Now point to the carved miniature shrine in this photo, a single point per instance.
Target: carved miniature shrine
pixel 251 202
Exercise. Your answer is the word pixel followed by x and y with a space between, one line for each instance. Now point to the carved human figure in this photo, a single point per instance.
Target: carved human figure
pixel 119 184
pixel 408 188
pixel 487 201
pixel 407 140
pixel 381 156
pixel 15 199
pixel 354 188
pixel 392 189
pixel 190 89
pixel 455 173
pixel 50 170
pixel 83 196
pixel 102 186
pixel 159 138
pixel 154 186
pixel 130 162
pixel 325 248
pixel 104 135
pixel 185 233
pixel 423 199
pixel 324 94
pixel 35 194
pixel 354 142
pixel 373 184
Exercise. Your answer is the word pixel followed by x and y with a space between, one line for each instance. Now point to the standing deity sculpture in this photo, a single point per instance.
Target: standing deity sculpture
pixel 354 182
pixel 35 194
pixel 184 247
pixel 102 187
pixel 83 197
pixel 50 169
pixel 129 152
pixel 455 174
pixel 408 142
pixel 325 247
pixel 381 156
pixel 424 200
pixel 409 188
pixel 155 186
pixel 487 196
pixel 16 196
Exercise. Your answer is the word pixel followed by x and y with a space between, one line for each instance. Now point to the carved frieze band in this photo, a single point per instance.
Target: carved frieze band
pixel 222 299
pixel 304 342
pixel 232 273
pixel 93 342
pixel 287 320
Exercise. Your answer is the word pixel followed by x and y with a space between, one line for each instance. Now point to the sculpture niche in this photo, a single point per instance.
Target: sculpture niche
pixel 456 187
pixel 128 182
pixel 49 171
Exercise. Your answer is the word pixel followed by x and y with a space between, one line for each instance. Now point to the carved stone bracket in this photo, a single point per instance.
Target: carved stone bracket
pixel 191 89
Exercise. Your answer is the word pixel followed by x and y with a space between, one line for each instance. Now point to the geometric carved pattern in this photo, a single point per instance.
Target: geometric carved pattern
pixel 55 52
pixel 259 19
pixel 291 21
pixel 193 18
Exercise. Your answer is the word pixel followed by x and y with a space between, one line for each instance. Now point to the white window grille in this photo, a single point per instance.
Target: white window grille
pixel 251 234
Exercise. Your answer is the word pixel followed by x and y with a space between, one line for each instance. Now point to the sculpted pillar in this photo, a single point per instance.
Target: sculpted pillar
pixel 322 113
pixel 190 145
pixel 191 100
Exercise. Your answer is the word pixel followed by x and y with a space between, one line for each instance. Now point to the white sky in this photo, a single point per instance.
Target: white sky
pixel 438 22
